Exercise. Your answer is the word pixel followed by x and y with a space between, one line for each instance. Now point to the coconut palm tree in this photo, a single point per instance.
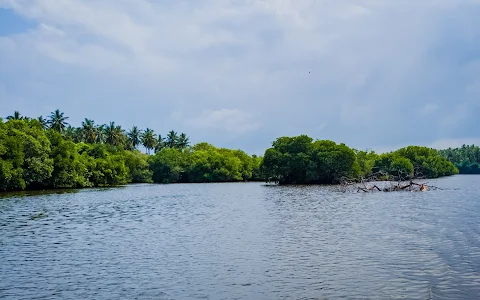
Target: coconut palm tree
pixel 134 136
pixel 57 121
pixel 69 133
pixel 113 134
pixel 89 132
pixel 16 116
pixel 183 141
pixel 43 122
pixel 148 139
pixel 73 133
pixel 172 139
pixel 100 134
pixel 160 144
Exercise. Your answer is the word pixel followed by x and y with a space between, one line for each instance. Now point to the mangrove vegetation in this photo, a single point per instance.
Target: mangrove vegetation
pixel 44 153
pixel 302 160
pixel 465 158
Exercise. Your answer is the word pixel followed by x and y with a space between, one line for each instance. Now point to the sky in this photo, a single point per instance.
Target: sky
pixel 373 74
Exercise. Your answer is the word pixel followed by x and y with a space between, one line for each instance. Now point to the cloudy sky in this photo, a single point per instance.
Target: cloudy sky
pixel 374 74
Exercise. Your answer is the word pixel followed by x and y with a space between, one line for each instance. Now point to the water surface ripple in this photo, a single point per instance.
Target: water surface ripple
pixel 241 241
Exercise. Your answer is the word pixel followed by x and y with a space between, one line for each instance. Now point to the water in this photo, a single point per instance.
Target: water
pixel 241 241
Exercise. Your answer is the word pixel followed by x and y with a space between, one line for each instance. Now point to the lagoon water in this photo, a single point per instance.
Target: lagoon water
pixel 242 241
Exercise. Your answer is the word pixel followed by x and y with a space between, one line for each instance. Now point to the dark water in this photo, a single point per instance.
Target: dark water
pixel 242 241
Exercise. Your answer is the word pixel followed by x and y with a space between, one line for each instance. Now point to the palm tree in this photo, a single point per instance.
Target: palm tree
pixel 113 134
pixel 183 141
pixel 148 139
pixel 73 133
pixel 134 136
pixel 172 139
pixel 16 116
pixel 89 132
pixel 42 122
pixel 57 121
pixel 99 134
pixel 160 144
pixel 69 133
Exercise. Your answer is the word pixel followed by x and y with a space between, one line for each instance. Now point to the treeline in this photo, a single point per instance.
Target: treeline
pixel 302 160
pixel 43 153
pixel 40 154
pixel 465 158
pixel 204 163
pixel 110 134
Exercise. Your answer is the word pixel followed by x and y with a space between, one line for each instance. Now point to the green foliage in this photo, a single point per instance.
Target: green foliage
pixel 16 116
pixel 183 141
pixel 36 156
pixel 465 158
pixel 32 157
pixel 24 155
pixel 148 138
pixel 427 162
pixel 134 136
pixel 70 171
pixel 467 167
pixel 172 139
pixel 138 167
pixel 392 166
pixel 302 160
pixel 257 171
pixel 167 165
pixel 366 162
pixel 114 135
pixel 201 163
pixel 57 121
pixel 333 162
pixel 89 132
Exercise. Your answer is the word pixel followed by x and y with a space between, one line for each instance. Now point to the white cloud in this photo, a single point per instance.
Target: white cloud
pixel 242 66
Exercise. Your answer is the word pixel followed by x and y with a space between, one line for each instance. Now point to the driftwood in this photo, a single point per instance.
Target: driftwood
pixel 381 182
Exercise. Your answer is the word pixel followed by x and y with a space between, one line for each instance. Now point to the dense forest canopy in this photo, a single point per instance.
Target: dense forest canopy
pixel 43 153
pixel 465 158
pixel 302 160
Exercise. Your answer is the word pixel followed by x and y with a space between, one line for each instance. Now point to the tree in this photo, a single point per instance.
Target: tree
pixel 106 166
pixel 113 134
pixel 183 141
pixel 24 155
pixel 172 139
pixel 16 116
pixel 148 139
pixel 393 167
pixel 100 134
pixel 138 167
pixel 160 144
pixel 89 132
pixel 134 136
pixel 333 162
pixel 69 170
pixel 167 165
pixel 43 122
pixel 73 133
pixel 366 161
pixel 465 158
pixel 57 121
pixel 32 157
pixel 427 162
pixel 290 159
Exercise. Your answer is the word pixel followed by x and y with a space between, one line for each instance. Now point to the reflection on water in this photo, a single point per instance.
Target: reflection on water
pixel 241 241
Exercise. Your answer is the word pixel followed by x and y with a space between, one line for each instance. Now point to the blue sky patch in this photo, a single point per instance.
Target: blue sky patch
pixel 12 23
